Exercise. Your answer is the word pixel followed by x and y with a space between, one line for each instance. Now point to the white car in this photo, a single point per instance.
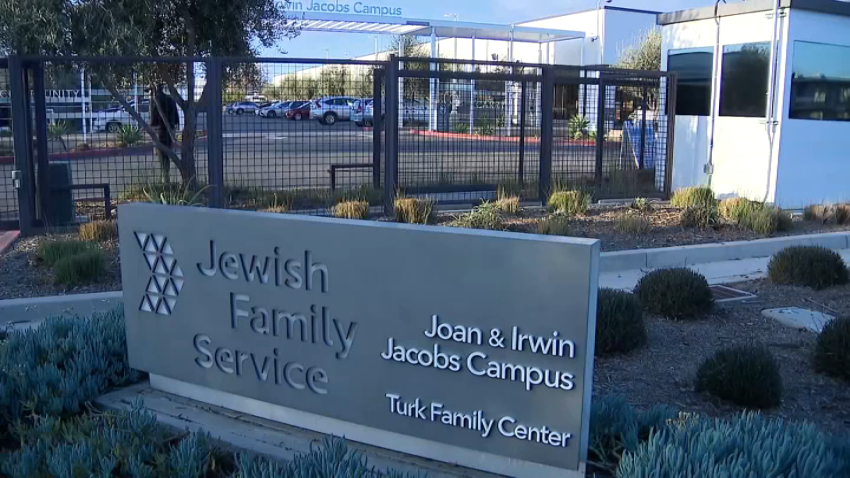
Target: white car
pixel 275 110
pixel 332 109
pixel 363 112
pixel 112 119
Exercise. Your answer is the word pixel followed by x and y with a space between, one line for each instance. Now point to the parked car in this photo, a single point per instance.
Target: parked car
pixel 264 104
pixel 332 109
pixel 275 110
pixel 299 110
pixel 112 119
pixel 362 113
pixel 242 107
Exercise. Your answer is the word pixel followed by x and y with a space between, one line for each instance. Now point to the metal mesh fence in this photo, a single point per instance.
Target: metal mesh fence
pixel 301 138
pixel 8 195
pixel 465 135
pixel 614 138
pixel 301 135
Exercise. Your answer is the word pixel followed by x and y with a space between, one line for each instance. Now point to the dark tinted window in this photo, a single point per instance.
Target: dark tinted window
pixel 694 66
pixel 743 83
pixel 820 85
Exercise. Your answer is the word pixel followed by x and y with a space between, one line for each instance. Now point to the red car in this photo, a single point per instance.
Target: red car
pixel 299 111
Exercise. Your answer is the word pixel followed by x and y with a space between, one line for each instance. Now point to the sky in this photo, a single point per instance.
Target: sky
pixel 336 45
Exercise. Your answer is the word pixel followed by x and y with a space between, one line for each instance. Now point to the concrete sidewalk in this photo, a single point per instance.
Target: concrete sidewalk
pixel 724 272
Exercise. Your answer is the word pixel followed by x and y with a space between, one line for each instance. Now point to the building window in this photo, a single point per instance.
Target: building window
pixel 743 82
pixel 694 67
pixel 820 84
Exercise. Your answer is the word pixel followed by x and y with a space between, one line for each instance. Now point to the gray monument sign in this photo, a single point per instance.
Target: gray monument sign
pixel 465 346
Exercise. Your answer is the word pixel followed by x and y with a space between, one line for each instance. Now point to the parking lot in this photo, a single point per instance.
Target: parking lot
pixel 277 154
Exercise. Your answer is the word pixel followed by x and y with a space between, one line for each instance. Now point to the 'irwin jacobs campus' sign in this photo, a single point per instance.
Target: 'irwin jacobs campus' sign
pixel 471 347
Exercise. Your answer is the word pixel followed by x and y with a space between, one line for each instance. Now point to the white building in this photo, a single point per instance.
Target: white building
pixel 763 106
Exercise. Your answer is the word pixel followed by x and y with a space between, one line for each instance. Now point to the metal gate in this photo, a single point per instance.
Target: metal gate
pixel 8 176
pixel 465 130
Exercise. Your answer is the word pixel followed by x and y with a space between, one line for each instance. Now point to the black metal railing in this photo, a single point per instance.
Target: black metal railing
pixel 302 134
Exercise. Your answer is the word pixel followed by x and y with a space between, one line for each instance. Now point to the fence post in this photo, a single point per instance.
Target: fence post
pixel 672 85
pixel 22 137
pixel 215 138
pixel 392 121
pixel 522 118
pixel 600 130
pixel 377 125
pixel 643 128
pixel 547 124
pixel 42 158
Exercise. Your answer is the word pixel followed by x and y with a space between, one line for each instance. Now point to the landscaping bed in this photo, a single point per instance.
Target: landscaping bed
pixel 23 274
pixel 664 370
pixel 601 222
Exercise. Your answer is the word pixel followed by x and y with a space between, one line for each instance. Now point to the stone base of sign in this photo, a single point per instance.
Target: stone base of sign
pixel 241 432
pixel 261 431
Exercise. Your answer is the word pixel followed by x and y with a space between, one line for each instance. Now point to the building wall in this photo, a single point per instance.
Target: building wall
pixel 814 160
pixel 743 165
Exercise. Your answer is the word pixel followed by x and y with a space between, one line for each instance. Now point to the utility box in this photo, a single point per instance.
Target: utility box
pixel 59 210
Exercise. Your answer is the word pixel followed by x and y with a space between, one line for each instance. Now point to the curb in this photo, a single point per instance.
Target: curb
pixel 36 309
pixel 501 139
pixel 8 238
pixel 94 153
pixel 682 256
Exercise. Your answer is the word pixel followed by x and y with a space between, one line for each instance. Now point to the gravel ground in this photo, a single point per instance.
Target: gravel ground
pixel 664 370
pixel 22 275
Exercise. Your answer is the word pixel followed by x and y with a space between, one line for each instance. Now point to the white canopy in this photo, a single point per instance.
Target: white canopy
pixel 343 23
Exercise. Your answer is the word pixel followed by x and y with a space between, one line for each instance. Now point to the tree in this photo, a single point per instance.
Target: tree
pixel 151 28
pixel 644 53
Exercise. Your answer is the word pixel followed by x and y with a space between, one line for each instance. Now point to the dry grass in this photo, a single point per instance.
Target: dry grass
pixel 508 205
pixel 414 210
pixel 630 223
pixel 351 210
pixel 554 225
pixel 99 231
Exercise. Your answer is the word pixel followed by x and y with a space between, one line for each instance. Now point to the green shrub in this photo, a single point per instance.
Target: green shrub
pixel 569 202
pixel 108 444
pixel 699 217
pixel 676 293
pixel 832 351
pixel 80 269
pixel 51 252
pixel 619 322
pixel 351 210
pixel 745 375
pixel 694 196
pixel 616 428
pixel 734 209
pixel 461 128
pixel 641 205
pixel 414 211
pixel 632 224
pixel 54 369
pixel 508 205
pixel 766 220
pixel 129 135
pixel 486 216
pixel 809 266
pixel 746 445
pixel 577 126
pixel 99 231
pixel 554 225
